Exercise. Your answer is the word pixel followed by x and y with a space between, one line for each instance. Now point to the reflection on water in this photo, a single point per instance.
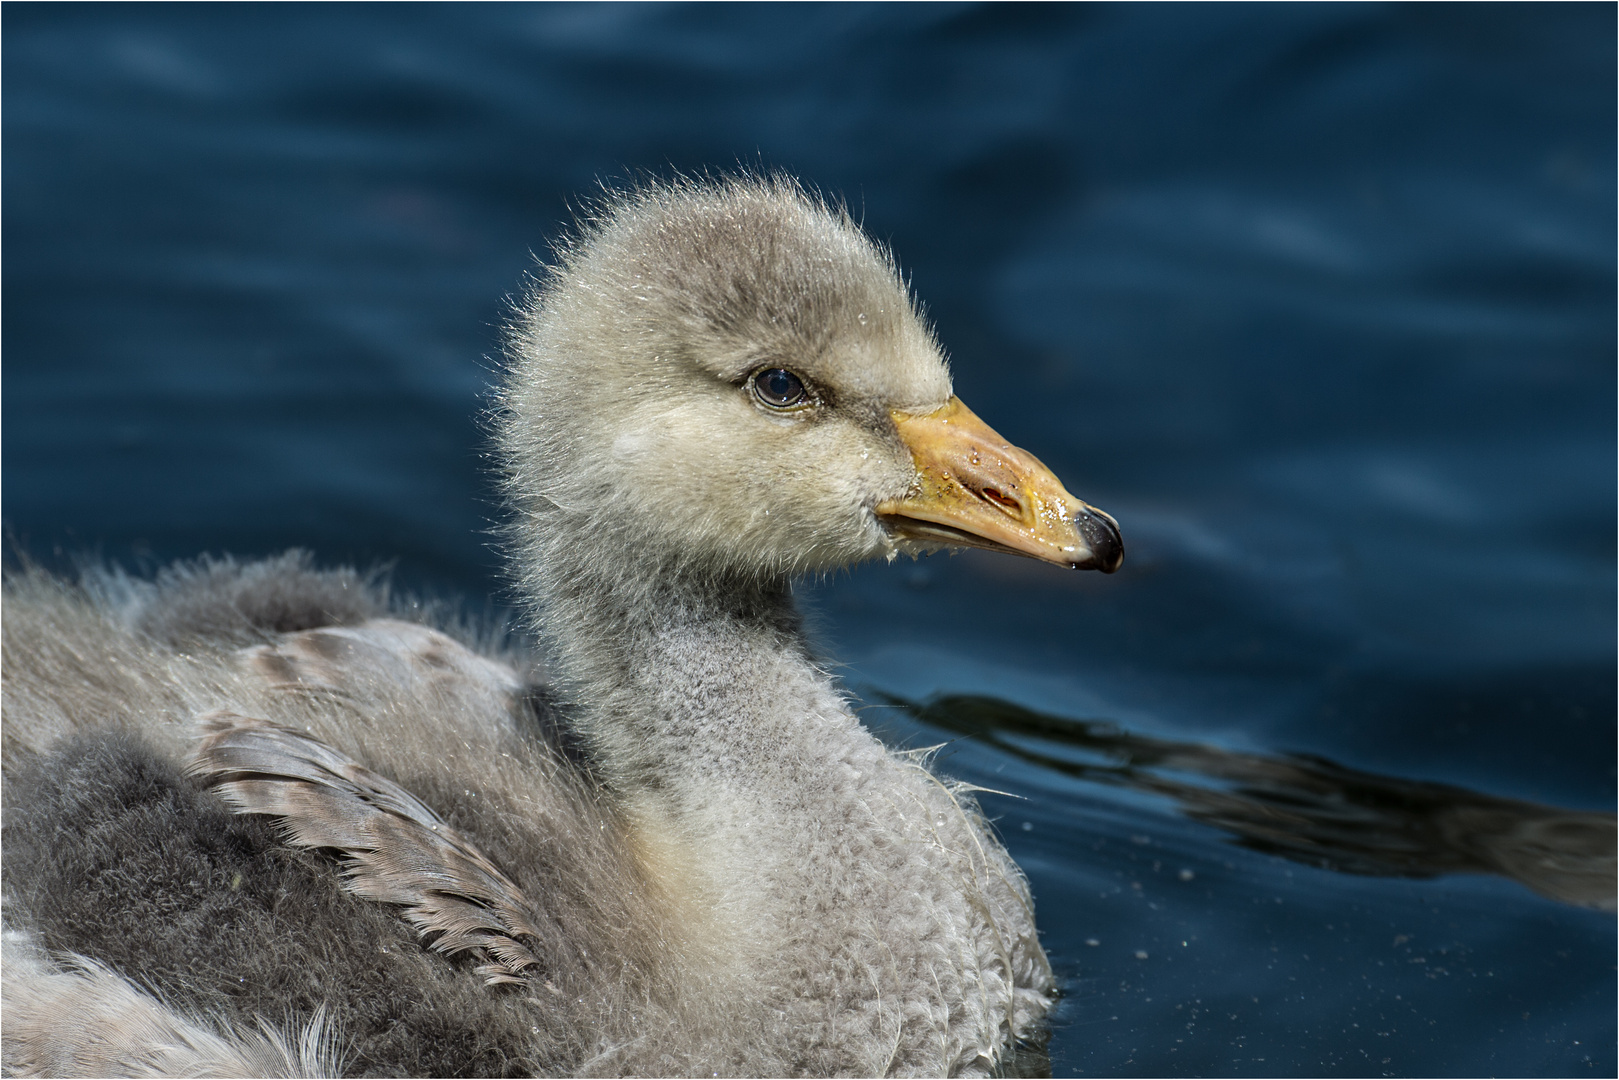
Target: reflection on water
pixel 1311 810
pixel 1318 300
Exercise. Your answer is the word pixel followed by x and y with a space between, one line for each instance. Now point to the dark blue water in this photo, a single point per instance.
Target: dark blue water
pixel 1318 301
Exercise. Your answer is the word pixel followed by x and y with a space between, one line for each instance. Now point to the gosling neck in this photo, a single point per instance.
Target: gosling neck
pixel 683 678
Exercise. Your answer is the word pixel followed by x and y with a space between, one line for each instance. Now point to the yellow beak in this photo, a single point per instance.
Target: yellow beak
pixel 975 489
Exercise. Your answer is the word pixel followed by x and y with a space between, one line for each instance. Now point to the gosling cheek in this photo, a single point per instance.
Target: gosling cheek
pixel 631 447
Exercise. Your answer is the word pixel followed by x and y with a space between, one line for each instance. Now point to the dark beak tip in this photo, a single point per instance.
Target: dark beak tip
pixel 1102 537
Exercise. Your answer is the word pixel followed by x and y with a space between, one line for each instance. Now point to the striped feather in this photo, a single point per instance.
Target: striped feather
pixel 395 848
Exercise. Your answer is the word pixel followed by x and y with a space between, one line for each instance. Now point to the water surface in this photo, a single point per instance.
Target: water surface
pixel 1318 301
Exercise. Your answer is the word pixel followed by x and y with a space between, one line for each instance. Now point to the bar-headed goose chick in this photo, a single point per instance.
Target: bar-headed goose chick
pixel 257 821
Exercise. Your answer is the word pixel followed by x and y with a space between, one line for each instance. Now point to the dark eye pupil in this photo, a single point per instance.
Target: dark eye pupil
pixel 779 387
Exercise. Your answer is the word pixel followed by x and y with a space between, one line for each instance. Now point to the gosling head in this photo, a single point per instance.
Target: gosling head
pixel 730 377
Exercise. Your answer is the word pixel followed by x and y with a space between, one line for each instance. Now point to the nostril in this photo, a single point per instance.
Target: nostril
pixel 1001 499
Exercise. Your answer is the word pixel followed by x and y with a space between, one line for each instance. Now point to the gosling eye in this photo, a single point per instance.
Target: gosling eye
pixel 778 388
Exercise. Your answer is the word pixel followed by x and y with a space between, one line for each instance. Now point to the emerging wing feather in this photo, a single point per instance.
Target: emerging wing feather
pixel 396 849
